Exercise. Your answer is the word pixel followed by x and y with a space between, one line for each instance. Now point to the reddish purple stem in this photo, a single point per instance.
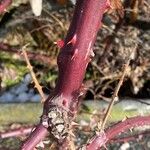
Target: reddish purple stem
pixel 73 59
pixel 104 137
pixel 17 132
pixel 35 137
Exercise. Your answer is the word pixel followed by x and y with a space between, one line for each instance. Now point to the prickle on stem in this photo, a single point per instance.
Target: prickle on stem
pixel 73 40
pixel 75 54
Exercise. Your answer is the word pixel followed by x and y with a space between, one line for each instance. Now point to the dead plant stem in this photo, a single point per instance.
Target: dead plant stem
pixel 29 66
pixel 115 95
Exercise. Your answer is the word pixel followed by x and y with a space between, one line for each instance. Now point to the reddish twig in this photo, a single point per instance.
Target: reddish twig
pixel 16 132
pixel 4 4
pixel 32 56
pixel 35 137
pixel 73 59
pixel 103 137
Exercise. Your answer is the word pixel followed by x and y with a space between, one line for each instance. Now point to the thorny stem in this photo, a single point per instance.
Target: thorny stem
pixel 35 137
pixel 37 85
pixel 115 95
pixel 72 62
pixel 104 137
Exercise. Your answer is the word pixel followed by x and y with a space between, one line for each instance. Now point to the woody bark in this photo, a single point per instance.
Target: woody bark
pixel 73 60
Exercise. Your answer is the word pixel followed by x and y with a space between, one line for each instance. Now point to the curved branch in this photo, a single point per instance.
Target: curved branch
pixel 35 137
pixel 103 137
pixel 16 132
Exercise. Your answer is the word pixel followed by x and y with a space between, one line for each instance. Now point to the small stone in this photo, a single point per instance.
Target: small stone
pixel 124 146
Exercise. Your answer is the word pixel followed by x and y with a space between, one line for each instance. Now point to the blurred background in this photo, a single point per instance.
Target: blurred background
pixel 20 106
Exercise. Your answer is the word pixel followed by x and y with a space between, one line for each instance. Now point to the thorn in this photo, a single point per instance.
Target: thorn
pixel 73 40
pixel 28 66
pixel 33 129
pixel 75 53
pixel 97 132
pixel 59 43
pixel 92 53
pixel 125 118
pixel 75 124
pixel 87 64
pixel 116 98
pixel 131 130
pixel 40 145
pixel 88 51
pixel 105 146
pixel 46 141
pixel 108 4
pixel 71 133
pixel 81 94
pixel 5 10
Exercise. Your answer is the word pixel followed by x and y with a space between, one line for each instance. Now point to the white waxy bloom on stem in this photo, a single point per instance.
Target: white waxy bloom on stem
pixel 36 6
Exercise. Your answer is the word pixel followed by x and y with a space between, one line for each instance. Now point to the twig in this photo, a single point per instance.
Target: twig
pixel 31 55
pixel 115 95
pixel 15 133
pixel 37 85
pixel 55 18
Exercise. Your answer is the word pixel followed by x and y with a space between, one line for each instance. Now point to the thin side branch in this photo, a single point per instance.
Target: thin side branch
pixel 37 85
pixel 15 133
pixel 115 95
pixel 104 137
